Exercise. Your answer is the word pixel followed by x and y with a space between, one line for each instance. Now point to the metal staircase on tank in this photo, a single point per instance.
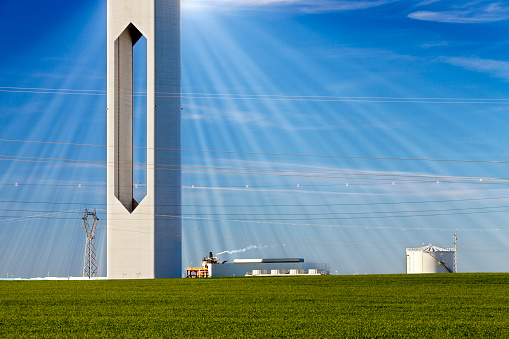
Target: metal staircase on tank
pixel 90 226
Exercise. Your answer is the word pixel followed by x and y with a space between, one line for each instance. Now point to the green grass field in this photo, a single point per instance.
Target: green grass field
pixel 372 306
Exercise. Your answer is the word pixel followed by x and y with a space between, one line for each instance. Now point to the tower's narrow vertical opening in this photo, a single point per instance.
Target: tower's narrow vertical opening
pixel 140 119
pixel 125 107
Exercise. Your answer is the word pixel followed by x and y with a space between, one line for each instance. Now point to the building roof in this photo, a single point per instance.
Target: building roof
pixel 430 248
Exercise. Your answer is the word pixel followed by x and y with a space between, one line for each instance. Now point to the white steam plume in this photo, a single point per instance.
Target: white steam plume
pixel 250 247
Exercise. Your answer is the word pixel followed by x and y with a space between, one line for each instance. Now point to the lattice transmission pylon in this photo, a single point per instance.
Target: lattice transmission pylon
pixel 90 226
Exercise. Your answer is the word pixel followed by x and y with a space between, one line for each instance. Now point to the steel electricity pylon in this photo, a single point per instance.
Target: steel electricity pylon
pixel 90 226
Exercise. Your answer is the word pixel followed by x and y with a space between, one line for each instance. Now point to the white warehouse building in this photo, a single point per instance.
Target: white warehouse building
pixel 430 259
pixel 263 267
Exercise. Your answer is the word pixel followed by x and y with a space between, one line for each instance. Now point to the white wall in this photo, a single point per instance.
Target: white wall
pixel 147 242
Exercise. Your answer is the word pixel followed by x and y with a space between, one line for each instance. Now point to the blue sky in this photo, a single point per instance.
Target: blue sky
pixel 333 123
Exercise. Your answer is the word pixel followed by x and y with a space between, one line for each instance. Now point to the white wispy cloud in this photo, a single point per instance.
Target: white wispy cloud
pixel 310 6
pixel 480 11
pixel 368 53
pixel 434 44
pixel 254 119
pixel 257 120
pixel 495 68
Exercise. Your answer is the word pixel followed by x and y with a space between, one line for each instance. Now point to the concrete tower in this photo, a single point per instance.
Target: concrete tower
pixel 144 237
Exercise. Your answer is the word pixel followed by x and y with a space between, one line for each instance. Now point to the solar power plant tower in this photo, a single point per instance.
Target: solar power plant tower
pixel 144 237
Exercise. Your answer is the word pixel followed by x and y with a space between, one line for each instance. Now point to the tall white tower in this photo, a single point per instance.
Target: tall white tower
pixel 144 237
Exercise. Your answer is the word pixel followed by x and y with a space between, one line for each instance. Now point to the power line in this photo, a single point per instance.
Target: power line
pixel 35 217
pixel 294 214
pixel 272 205
pixel 271 97
pixel 267 172
pixel 281 221
pixel 250 238
pixel 349 218
pixel 42 234
pixel 351 213
pixel 27 234
pixel 265 153
pixel 241 170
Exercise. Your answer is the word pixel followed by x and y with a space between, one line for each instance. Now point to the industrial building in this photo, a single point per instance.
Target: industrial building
pixel 213 267
pixel 430 259
pixel 144 237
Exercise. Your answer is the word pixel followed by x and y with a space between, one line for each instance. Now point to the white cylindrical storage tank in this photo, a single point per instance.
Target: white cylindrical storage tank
pixel 429 259
pixel 313 271
pixel 257 272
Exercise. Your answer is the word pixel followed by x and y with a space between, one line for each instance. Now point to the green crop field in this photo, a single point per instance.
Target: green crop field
pixel 372 306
